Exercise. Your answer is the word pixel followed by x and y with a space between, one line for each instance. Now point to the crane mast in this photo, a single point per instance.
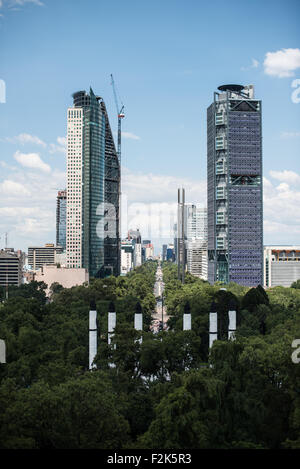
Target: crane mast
pixel 121 115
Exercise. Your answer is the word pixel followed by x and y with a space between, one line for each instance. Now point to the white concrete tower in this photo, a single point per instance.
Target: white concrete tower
pixel 213 324
pixel 74 187
pixel 232 320
pixel 92 335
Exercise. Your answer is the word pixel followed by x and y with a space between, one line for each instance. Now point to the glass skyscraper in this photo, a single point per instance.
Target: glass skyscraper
pixel 86 163
pixel 234 187
pixel 61 219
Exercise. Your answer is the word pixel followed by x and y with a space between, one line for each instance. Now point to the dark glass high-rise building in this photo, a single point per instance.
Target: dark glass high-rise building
pixel 112 246
pixel 234 187
pixel 61 219
pixel 90 146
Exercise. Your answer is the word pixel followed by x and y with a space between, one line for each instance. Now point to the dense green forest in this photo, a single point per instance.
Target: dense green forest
pixel 165 391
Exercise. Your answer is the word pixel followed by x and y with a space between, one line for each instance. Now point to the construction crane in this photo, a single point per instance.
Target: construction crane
pixel 121 115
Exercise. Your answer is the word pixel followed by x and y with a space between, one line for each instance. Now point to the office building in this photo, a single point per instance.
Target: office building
pixel 136 238
pixel 127 250
pixel 196 243
pixel 170 253
pixel 149 251
pixel 164 252
pixel 112 247
pixel 281 265
pixel 61 219
pixel 234 187
pixel 43 255
pixel 93 177
pixel 10 268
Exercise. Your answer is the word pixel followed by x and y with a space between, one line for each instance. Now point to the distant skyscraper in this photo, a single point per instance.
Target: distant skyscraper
pixel 90 199
pixel 164 252
pixel 136 238
pixel 234 185
pixel 61 219
pixel 196 244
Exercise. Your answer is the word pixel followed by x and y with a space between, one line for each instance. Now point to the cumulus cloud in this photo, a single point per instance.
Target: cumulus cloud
pixel 12 189
pixel 290 134
pixel 19 3
pixel 254 64
pixel 32 160
pixel 26 138
pixel 130 136
pixel 282 63
pixel 281 208
pixel 59 147
pixel 149 202
pixel 28 205
pixel 286 176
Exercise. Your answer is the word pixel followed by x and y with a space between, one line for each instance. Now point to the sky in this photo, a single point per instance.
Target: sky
pixel 167 58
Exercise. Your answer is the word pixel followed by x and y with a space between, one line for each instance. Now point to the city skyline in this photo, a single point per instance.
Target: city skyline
pixel 166 87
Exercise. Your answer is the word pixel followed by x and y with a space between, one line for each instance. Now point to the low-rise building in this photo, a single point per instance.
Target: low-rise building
pixel 64 276
pixel 10 267
pixel 281 265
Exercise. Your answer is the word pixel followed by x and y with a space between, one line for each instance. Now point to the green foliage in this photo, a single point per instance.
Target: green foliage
pixel 296 284
pixel 149 390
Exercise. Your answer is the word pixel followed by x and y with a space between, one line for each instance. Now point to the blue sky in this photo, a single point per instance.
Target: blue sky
pixel 167 58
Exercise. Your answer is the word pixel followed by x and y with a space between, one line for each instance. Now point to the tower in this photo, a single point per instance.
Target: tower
pixel 234 187
pixel 61 221
pixel 92 179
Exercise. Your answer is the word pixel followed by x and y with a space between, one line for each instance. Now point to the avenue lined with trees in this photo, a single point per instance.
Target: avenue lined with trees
pixel 165 391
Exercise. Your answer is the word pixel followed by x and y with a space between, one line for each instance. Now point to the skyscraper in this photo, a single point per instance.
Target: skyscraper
pixel 196 244
pixel 234 185
pixel 112 245
pixel 89 147
pixel 61 219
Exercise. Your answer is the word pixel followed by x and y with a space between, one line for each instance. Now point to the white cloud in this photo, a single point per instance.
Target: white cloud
pixel 9 188
pixel 286 176
pixel 130 135
pixel 26 138
pixel 289 134
pixel 150 202
pixel 60 147
pixel 153 188
pixel 28 206
pixel 282 63
pixel 32 160
pixel 254 64
pixel 281 208
pixel 62 141
pixel 13 3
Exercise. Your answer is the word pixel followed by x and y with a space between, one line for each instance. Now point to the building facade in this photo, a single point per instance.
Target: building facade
pixel 66 277
pixel 234 187
pixel 127 250
pixel 43 255
pixel 10 268
pixel 281 265
pixel 196 244
pixel 61 219
pixel 112 246
pixel 93 178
